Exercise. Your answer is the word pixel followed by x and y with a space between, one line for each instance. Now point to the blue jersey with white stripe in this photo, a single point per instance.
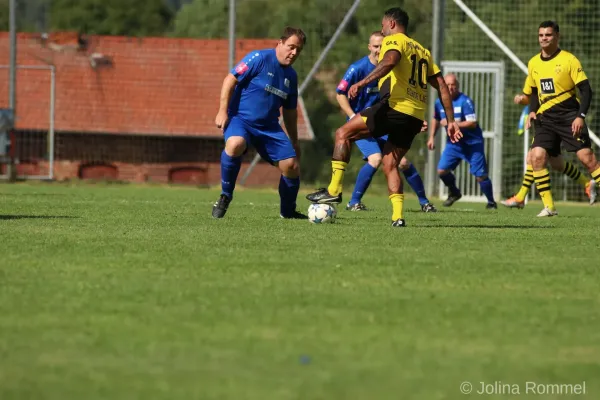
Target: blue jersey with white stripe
pixel 264 86
pixel 369 95
pixel 464 110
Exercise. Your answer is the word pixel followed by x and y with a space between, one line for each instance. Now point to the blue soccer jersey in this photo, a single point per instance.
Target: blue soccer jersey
pixel 264 86
pixel 464 110
pixel 369 95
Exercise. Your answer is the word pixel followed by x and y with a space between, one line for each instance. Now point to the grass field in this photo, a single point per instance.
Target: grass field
pixel 135 292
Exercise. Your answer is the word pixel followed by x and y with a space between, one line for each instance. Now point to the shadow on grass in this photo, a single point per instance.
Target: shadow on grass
pixel 8 217
pixel 482 226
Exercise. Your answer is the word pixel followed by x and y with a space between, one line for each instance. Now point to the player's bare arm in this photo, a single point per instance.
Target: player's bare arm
pixel 433 128
pixel 342 100
pixel 290 119
pixel 437 81
pixel 389 61
pixel 467 124
pixel 229 84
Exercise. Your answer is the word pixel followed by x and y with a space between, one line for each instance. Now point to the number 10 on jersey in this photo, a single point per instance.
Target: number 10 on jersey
pixel 419 68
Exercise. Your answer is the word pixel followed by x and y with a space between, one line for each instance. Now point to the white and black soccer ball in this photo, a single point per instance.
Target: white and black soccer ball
pixel 321 213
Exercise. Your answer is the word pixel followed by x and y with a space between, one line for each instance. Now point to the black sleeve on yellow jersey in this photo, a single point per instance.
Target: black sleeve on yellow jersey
pixel 585 97
pixel 534 100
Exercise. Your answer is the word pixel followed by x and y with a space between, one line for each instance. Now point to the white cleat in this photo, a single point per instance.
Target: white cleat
pixel 546 212
pixel 590 190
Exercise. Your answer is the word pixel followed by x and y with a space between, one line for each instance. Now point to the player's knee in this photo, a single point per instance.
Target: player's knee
pixel 557 163
pixel 539 156
pixel 289 167
pixel 587 158
pixel 235 146
pixel 404 164
pixel 442 172
pixel 374 160
pixel 481 178
pixel 341 134
pixel 388 166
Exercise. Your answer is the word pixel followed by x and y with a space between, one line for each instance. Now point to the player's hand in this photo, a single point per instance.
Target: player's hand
pixel 221 120
pixel 518 98
pixel 424 127
pixel 454 132
pixel 444 122
pixel 577 126
pixel 431 143
pixel 354 89
pixel 529 119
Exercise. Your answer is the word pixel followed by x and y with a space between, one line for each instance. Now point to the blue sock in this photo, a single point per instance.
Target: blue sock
pixel 230 168
pixel 288 192
pixel 416 183
pixel 450 181
pixel 363 180
pixel 486 188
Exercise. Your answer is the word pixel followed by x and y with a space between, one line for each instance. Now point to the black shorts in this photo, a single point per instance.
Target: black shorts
pixel 550 133
pixel 382 120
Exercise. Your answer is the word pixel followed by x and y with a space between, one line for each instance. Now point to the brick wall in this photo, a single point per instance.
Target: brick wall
pixel 161 159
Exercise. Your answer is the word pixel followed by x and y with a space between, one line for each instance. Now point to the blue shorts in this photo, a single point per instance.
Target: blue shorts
pixel 474 154
pixel 371 145
pixel 270 142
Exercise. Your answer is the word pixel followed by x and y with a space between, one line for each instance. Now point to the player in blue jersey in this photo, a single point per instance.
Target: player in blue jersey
pixel 251 96
pixel 371 147
pixel 471 148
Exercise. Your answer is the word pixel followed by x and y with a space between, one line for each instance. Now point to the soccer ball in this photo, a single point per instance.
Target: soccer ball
pixel 321 213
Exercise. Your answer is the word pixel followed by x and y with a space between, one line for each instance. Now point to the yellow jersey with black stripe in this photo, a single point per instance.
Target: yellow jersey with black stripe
pixel 556 79
pixel 405 86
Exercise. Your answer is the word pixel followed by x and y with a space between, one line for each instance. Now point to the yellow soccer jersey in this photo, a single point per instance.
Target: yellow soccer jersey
pixel 405 86
pixel 555 79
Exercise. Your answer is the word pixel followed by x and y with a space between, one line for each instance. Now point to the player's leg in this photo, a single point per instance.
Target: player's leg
pixel 275 147
pixel 569 169
pixel 236 142
pixel 475 155
pixel 391 160
pixel 451 157
pixel 371 150
pixel 518 200
pixel 351 131
pixel 416 183
pixel 546 142
pixel 582 146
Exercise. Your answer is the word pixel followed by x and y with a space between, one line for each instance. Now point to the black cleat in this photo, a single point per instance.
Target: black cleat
pixel 294 215
pixel 452 198
pixel 399 223
pixel 356 207
pixel 220 207
pixel 491 206
pixel 428 208
pixel 322 196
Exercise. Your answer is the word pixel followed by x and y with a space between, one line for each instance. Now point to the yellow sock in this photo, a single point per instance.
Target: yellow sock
pixel 542 182
pixel 527 182
pixel 596 176
pixel 337 177
pixel 397 205
pixel 572 172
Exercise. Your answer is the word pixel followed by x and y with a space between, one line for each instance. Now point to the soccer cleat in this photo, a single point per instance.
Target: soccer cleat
pixel 322 196
pixel 513 203
pixel 428 208
pixel 590 191
pixel 294 215
pixel 491 206
pixel 452 198
pixel 220 207
pixel 356 207
pixel 399 223
pixel 546 212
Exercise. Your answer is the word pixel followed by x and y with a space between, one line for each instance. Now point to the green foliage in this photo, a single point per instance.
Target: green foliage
pixel 112 17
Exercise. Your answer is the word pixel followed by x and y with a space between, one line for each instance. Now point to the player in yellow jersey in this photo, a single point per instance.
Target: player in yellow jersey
pixel 556 113
pixel 557 163
pixel 404 70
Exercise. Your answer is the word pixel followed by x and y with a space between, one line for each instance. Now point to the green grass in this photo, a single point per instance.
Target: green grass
pixel 135 292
